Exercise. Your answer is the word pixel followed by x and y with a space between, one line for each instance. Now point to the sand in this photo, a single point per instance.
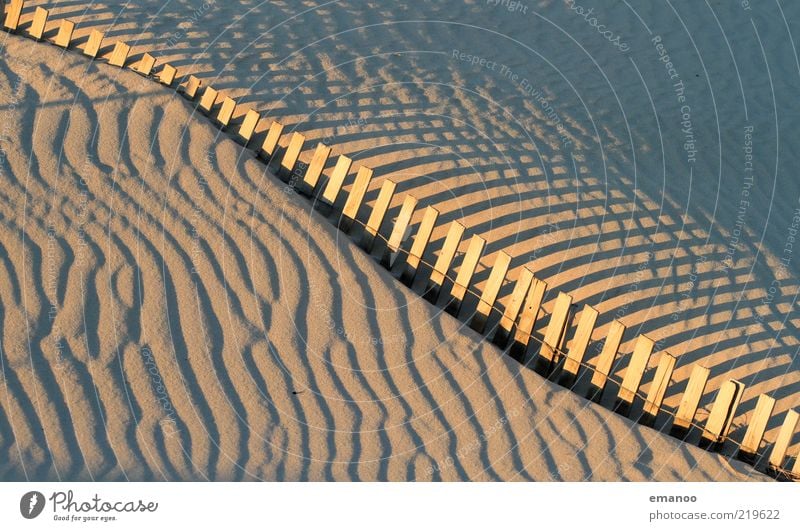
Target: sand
pixel 177 315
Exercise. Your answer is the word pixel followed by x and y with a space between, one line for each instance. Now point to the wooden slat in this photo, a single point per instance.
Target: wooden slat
pixel 635 370
pixel 556 329
pixel 605 360
pixel 336 181
pixel 208 100
pixel 193 84
pixel 527 319
pixel 356 196
pixel 785 435
pixel 146 64
pixel 490 290
pixel 513 307
pixel 270 143
pixel 443 261
pixel 580 343
pixel 226 111
pixel 13 15
pixel 421 240
pixel 120 54
pixel 292 153
pixel 722 412
pixel 93 44
pixel 167 75
pixel 401 223
pixel 658 387
pixel 315 168
pixel 796 467
pixel 39 22
pixel 64 36
pixel 465 272
pixel 378 213
pixel 690 400
pixel 758 425
pixel 248 126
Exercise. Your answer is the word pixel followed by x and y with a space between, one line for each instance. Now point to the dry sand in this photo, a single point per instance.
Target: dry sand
pixel 159 315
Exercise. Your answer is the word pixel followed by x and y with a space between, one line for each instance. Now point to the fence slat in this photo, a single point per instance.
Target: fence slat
pixel 336 181
pixel 39 21
pixel 192 86
pixel 315 168
pixel 489 293
pixel 14 12
pixel 93 44
pixel 270 144
pixel 633 374
pixel 208 99
pixel 399 230
pixel 785 435
pixel 527 319
pixel 379 210
pixel 443 261
pixel 421 240
pixel 64 36
pixel 465 272
pixel 687 408
pixel 658 388
pixel 119 55
pixel 722 412
pixel 605 360
pixel 554 334
pixel 167 75
pixel 226 111
pixel 758 425
pixel 248 126
pixel 796 467
pixel 292 154
pixel 355 198
pixel 513 307
pixel 579 345
pixel 145 65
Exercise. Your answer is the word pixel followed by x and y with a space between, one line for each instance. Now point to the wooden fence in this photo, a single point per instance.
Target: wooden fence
pixel 511 326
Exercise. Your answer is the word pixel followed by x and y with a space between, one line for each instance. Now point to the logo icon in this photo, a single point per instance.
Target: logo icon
pixel 31 504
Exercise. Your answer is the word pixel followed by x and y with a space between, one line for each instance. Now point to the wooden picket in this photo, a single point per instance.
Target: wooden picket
pixel 758 425
pixel 465 272
pixel 248 127
pixel 784 439
pixel 39 22
pixel 119 55
pixel 605 360
pixel 13 15
pixel 379 210
pixel 64 36
pixel 579 345
pixel 513 307
pixel 336 181
pixel 520 313
pixel 443 261
pixel 658 388
pixel 145 65
pixel 490 291
pixel 722 412
pixel 695 387
pixel 421 240
pixel 527 319
pixel 92 47
pixel 556 329
pixel 399 230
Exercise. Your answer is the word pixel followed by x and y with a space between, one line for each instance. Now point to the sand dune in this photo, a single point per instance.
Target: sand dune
pixel 169 311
